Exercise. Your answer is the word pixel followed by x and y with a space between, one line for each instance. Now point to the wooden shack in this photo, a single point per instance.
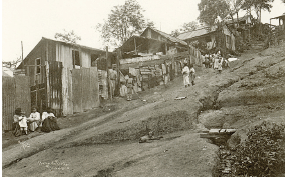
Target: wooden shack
pixel 63 76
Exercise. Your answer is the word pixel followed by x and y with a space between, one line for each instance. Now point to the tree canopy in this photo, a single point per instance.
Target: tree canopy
pixel 69 37
pixel 212 11
pixel 258 5
pixel 191 26
pixel 123 22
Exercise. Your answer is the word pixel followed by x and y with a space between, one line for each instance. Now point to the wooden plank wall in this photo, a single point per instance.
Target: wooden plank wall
pixel 85 89
pixel 94 87
pixel 8 102
pixel 55 86
pixel 77 90
pixel 23 97
pixel 67 104
pixel 15 93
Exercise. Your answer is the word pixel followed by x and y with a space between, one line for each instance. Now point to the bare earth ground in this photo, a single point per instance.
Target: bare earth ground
pixel 104 141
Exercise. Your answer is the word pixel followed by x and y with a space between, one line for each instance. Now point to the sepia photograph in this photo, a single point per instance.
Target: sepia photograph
pixel 143 88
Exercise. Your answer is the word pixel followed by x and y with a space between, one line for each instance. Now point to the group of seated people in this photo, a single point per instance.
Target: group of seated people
pixel 22 124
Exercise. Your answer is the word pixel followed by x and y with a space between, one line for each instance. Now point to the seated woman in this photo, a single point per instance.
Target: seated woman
pixel 34 119
pixel 49 122
pixel 17 130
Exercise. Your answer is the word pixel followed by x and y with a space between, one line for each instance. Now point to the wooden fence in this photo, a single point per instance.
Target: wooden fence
pixel 15 93
pixel 85 89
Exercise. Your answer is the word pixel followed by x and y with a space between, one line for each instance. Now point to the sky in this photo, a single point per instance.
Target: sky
pixel 30 20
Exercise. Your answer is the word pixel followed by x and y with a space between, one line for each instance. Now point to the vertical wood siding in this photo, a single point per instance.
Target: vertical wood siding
pixel 55 86
pixel 15 93
pixel 77 90
pixel 85 89
pixel 94 85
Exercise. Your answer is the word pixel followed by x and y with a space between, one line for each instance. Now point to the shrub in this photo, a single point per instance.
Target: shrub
pixel 263 153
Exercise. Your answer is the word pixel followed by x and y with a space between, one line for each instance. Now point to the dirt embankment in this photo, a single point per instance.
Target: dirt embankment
pixel 258 92
pixel 258 95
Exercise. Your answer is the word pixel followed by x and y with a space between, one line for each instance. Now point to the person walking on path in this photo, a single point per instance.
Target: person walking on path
pixel 192 74
pixel 185 73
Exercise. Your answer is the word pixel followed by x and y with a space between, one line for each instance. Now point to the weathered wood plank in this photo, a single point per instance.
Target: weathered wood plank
pixel 77 90
pixel 94 85
pixel 8 104
pixel 86 90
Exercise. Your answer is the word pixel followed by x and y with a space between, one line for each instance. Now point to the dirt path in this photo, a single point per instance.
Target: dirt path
pixel 108 145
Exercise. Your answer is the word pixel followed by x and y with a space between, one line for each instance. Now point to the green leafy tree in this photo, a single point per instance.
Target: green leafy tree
pixel 69 37
pixel 123 21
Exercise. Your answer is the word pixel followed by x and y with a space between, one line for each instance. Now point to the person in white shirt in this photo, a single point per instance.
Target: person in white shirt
pixel 34 119
pixel 23 122
pixel 185 73
pixel 49 121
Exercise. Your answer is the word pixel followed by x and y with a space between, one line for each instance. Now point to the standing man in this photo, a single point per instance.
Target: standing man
pixel 112 85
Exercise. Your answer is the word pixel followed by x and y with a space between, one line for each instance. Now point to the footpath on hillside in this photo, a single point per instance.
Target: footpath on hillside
pixel 108 145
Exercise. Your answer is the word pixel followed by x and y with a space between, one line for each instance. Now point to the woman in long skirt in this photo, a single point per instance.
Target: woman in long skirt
pixel 49 121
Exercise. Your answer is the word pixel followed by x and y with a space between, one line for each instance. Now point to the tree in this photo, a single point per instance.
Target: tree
pixel 258 5
pixel 186 27
pixel 175 33
pixel 213 11
pixel 69 37
pixel 123 21
pixel 191 26
pixel 234 7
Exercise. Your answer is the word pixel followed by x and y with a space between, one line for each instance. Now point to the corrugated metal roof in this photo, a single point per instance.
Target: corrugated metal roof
pixel 66 43
pixel 281 16
pixel 171 38
pixel 192 34
pixel 76 45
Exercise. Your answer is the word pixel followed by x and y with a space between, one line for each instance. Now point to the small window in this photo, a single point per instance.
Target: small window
pixel 38 66
pixel 75 58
